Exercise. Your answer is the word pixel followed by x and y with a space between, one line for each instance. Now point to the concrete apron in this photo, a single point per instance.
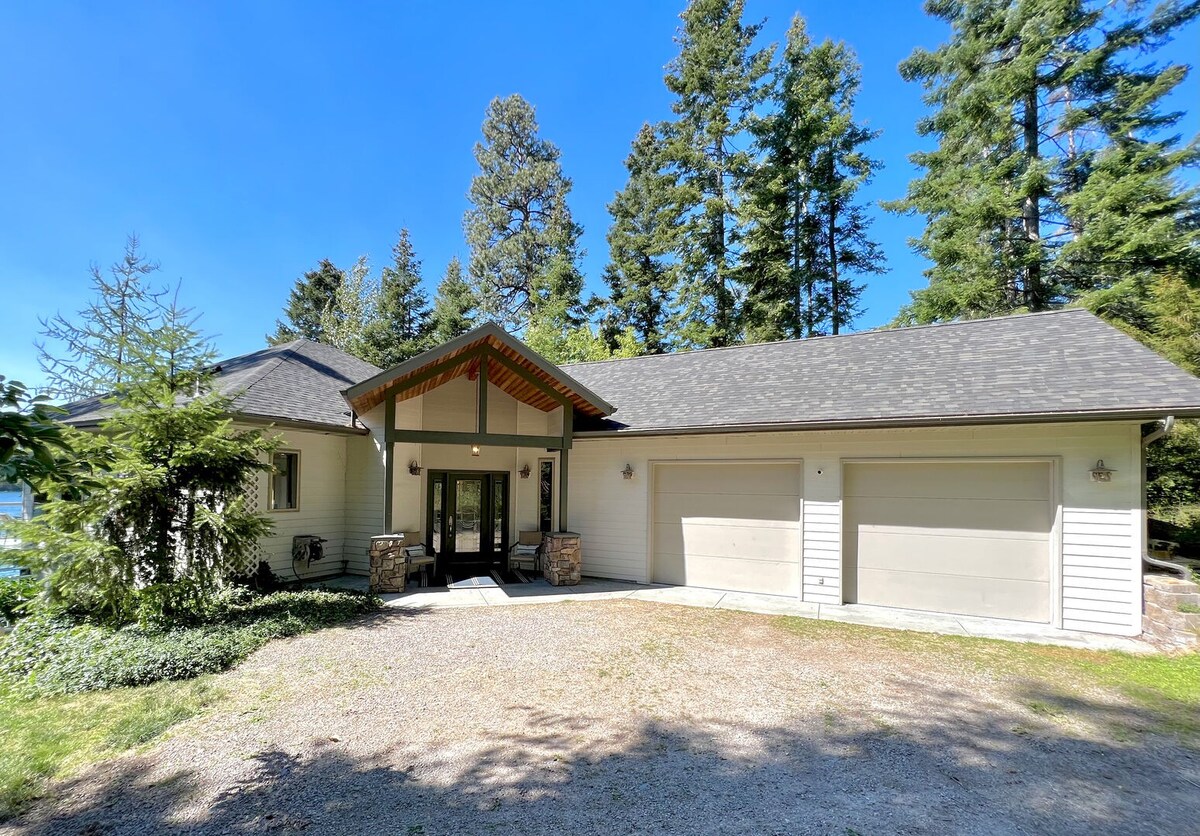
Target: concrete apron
pixel 594 589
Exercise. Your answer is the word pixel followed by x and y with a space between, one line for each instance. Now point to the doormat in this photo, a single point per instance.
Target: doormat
pixel 467 583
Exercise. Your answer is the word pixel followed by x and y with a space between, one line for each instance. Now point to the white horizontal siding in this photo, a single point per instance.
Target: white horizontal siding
pixel 364 491
pixel 822 551
pixel 1099 523
pixel 322 506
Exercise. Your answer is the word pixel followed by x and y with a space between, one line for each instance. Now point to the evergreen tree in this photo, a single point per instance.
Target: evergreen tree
pixel 310 301
pixel 519 223
pixel 346 323
pixel 1052 176
pixel 95 348
pixel 400 329
pixel 640 276
pixel 807 238
pixel 454 306
pixel 716 79
pixel 161 519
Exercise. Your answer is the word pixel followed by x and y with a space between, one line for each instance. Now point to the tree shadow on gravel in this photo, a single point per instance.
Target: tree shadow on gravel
pixel 967 767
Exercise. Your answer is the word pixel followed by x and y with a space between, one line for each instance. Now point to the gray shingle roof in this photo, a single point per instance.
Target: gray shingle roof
pixel 1051 366
pixel 300 381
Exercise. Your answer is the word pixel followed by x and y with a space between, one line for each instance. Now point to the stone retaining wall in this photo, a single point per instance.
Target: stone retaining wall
pixel 562 558
pixel 1163 623
pixel 389 567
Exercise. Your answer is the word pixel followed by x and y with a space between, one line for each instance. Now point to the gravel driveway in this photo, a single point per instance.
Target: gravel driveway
pixel 623 717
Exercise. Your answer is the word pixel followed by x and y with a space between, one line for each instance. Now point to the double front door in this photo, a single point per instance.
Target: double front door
pixel 467 517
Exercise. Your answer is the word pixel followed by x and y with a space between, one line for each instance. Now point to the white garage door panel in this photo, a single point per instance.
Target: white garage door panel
pixel 1021 600
pixel 728 526
pixel 977 557
pixel 942 480
pixel 725 509
pixel 740 541
pixel 732 479
pixel 970 538
pixel 730 573
pixel 967 517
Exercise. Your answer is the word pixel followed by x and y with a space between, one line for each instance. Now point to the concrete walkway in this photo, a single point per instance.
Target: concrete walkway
pixel 597 589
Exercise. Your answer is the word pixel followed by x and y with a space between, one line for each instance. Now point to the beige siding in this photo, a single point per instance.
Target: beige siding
pixel 613 514
pixel 364 491
pixel 322 511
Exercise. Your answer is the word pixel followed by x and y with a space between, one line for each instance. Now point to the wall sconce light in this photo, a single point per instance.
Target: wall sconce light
pixel 474 449
pixel 524 472
pixel 627 472
pixel 414 468
pixel 1100 473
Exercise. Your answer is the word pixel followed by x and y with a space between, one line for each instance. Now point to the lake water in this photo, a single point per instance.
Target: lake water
pixel 10 505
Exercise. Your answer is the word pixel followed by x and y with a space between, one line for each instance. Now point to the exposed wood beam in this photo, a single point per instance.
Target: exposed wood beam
pixel 550 442
pixel 528 376
pixel 429 373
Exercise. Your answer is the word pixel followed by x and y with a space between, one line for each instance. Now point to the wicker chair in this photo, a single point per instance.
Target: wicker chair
pixel 523 558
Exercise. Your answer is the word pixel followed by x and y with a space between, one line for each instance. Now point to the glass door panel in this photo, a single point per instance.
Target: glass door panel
pixel 467 522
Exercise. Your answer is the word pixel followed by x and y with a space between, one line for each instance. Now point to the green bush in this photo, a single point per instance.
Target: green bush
pixel 54 654
pixel 15 592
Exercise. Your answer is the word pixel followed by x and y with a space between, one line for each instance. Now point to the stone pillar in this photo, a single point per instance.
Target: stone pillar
pixel 562 558
pixel 389 566
pixel 1171 615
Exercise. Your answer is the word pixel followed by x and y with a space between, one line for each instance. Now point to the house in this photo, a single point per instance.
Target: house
pixel 990 467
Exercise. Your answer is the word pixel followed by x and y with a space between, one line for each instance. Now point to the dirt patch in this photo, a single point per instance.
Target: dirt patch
pixel 627 717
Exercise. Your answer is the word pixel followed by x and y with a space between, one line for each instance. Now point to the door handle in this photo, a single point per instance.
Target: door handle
pixel 450 525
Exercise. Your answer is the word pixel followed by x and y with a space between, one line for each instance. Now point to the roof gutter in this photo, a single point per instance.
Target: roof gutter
pixel 293 424
pixel 893 423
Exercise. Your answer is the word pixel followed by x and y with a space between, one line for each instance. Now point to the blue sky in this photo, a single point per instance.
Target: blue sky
pixel 245 141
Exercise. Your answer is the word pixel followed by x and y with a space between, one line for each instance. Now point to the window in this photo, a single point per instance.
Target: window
pixel 546 495
pixel 285 482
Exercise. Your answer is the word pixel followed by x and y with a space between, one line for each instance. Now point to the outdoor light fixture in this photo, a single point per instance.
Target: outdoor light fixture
pixel 474 449
pixel 627 472
pixel 524 472
pixel 414 468
pixel 1100 473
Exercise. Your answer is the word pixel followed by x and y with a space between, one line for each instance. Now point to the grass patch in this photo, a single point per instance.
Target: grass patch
pixel 1189 607
pixel 1165 689
pixel 43 737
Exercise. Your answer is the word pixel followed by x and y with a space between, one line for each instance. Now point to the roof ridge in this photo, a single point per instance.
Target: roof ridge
pixel 869 332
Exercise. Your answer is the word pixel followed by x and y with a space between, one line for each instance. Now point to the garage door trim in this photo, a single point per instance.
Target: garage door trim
pixel 1055 547
pixel 654 465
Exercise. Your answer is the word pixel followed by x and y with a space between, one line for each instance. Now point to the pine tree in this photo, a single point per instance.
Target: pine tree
pixel 640 276
pixel 454 306
pixel 162 518
pixel 1051 177
pixel 308 304
pixel 839 169
pixel 88 356
pixel 519 223
pixel 806 237
pixel 716 79
pixel 400 329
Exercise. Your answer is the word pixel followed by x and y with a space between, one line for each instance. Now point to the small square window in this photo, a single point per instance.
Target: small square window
pixel 285 482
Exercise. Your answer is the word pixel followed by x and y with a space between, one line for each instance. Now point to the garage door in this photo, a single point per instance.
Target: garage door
pixel 969 538
pixel 728 526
